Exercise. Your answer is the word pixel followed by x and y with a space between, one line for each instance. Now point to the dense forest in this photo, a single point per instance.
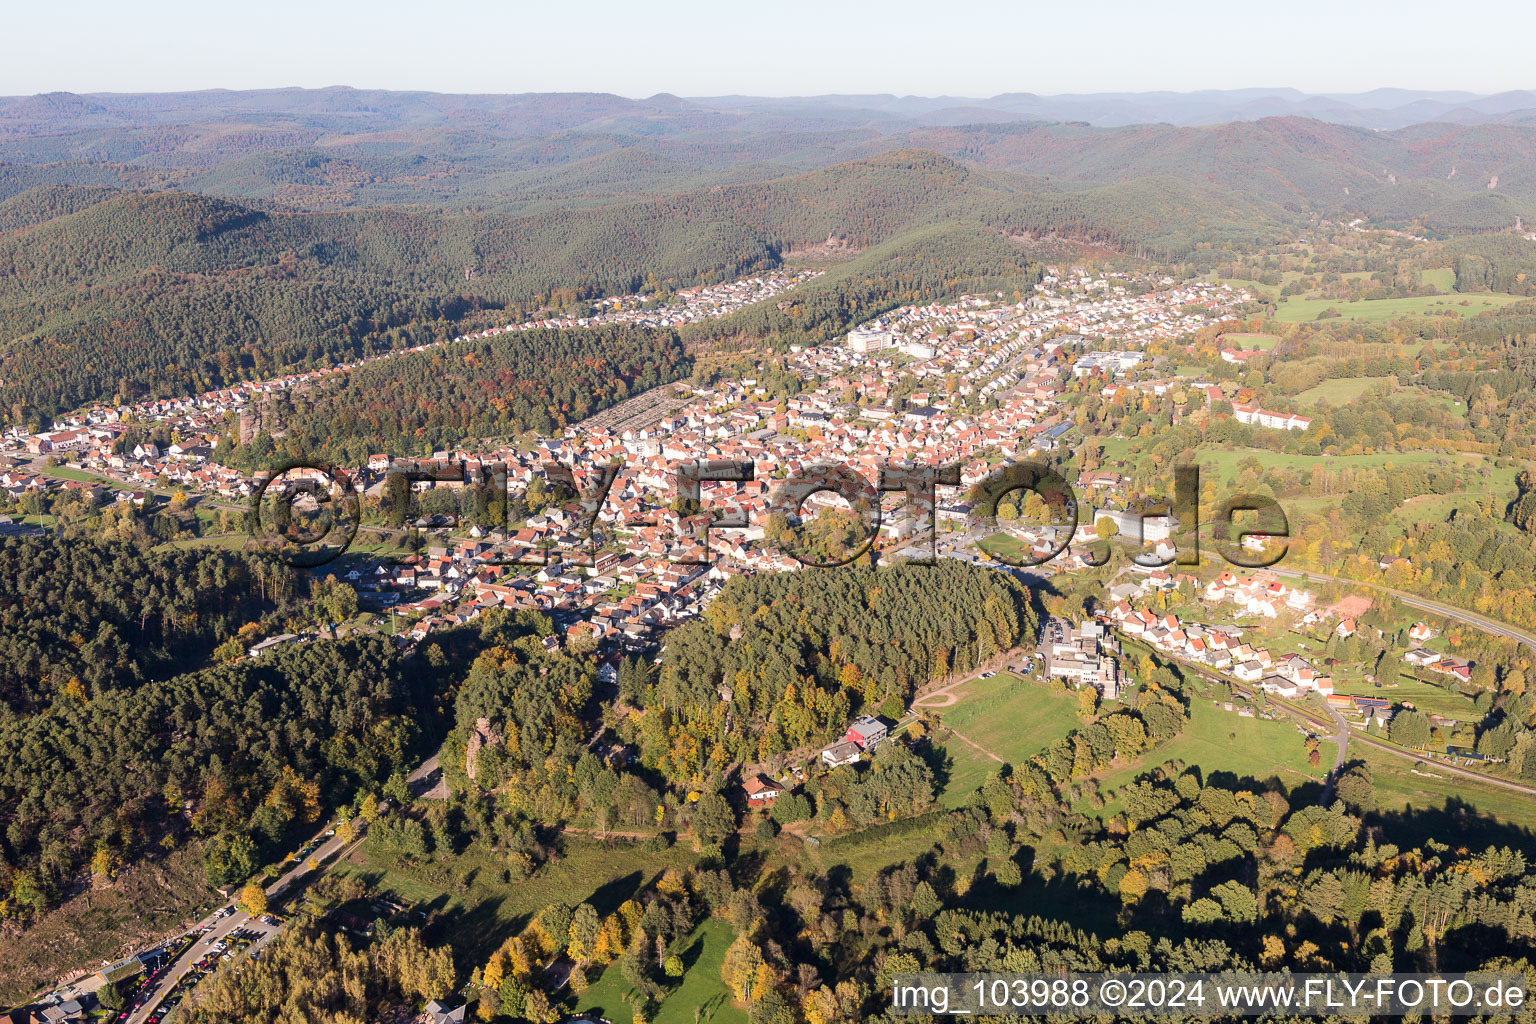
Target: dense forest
pixel 778 661
pixel 83 619
pixel 497 387
pixel 1500 263
pixel 237 754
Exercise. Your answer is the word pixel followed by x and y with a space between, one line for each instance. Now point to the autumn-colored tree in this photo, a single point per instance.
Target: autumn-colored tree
pixel 104 863
pixel 584 929
pixel 740 969
pixel 495 971
pixel 1087 702
pixel 253 899
pixel 1133 885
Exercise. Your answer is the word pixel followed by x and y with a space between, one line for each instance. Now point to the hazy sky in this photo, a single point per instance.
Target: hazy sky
pixel 780 47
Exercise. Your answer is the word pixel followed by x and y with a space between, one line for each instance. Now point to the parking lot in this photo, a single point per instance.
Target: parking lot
pixel 211 947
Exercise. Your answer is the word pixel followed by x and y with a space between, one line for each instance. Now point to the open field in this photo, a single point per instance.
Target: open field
pixel 482 909
pixel 1295 311
pixel 865 853
pixel 1013 718
pixel 227 541
pixel 1005 546
pixel 79 475
pixel 965 769
pixel 1218 465
pixel 1339 391
pixel 1262 342
pixel 703 954
pixel 1266 291
pixel 1226 742
pixel 1443 278
pixel 1398 789
pixel 1427 697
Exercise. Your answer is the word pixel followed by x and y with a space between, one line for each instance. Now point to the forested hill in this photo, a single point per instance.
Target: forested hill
pixel 343 148
pixel 111 713
pixel 502 386
pixel 1449 178
pixel 795 654
pixel 263 745
pixel 139 295
pixel 82 619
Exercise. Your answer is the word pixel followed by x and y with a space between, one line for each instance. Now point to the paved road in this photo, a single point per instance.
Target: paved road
pixel 1482 622
pixel 1440 765
pixel 217 927
pixel 427 782
pixel 1342 739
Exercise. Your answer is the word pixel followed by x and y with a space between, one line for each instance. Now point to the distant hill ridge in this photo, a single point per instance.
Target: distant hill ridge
pixel 1379 108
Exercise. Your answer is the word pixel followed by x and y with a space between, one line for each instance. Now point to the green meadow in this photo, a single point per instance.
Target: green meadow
pixel 1013 718
pixel 703 955
pixel 1339 391
pixel 1295 311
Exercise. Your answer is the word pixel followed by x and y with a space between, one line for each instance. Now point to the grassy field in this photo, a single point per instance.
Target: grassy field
pixel 703 954
pixel 965 769
pixel 1340 391
pixel 1434 508
pixel 1425 396
pixel 1443 278
pixel 228 541
pixel 1270 292
pixel 1263 342
pixel 865 854
pixel 1219 465
pixel 482 910
pixel 1295 311
pixel 1001 544
pixel 1011 717
pixel 80 475
pixel 1399 790
pixel 1428 697
pixel 1225 742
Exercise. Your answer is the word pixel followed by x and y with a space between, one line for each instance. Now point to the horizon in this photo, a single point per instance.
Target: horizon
pixel 1458 93
pixel 695 49
pixel 1387 108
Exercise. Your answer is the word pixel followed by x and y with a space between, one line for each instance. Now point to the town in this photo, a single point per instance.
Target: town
pixel 974 383
pixel 639 559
